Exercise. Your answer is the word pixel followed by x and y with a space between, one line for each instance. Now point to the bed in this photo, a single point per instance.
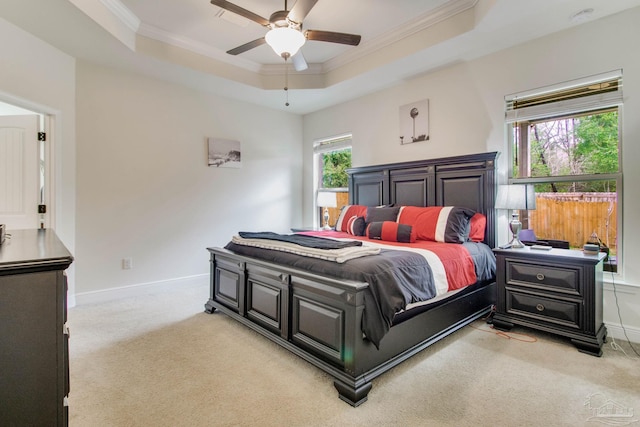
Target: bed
pixel 322 317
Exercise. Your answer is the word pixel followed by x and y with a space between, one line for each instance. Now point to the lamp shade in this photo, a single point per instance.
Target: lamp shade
pixel 516 197
pixel 327 199
pixel 285 41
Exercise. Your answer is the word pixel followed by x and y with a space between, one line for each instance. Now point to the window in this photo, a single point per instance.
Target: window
pixel 332 158
pixel 566 141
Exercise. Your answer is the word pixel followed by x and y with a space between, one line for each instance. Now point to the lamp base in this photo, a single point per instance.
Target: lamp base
pixel 326 220
pixel 515 226
pixel 515 243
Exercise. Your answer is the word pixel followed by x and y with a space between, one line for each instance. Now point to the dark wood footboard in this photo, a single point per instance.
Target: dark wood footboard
pixel 319 318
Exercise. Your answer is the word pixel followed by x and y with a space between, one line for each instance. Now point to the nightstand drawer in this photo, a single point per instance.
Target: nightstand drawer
pixel 557 279
pixel 549 310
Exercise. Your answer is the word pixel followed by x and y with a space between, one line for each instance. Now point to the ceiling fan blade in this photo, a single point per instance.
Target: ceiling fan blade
pixel 300 10
pixel 330 36
pixel 247 46
pixel 240 11
pixel 299 62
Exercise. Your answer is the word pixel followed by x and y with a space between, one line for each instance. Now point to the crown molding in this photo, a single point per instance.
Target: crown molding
pixel 424 21
pixel 194 46
pixel 123 13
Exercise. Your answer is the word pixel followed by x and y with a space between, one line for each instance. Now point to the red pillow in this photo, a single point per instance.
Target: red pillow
pixel 347 212
pixel 477 226
pixel 391 232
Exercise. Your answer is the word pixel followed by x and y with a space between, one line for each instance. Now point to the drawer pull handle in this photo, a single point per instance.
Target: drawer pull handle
pixel 540 276
pixel 283 278
pixel 540 307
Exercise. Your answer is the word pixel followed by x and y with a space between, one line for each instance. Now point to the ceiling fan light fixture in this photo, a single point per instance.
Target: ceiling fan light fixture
pixel 285 41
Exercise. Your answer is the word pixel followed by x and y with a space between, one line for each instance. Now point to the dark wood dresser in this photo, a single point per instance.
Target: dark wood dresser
pixel 557 291
pixel 34 351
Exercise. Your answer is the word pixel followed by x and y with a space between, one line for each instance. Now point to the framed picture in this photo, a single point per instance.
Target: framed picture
pixel 414 122
pixel 224 153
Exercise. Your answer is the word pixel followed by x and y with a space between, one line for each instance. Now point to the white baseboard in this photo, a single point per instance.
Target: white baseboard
pixel 139 289
pixel 616 331
pixel 621 300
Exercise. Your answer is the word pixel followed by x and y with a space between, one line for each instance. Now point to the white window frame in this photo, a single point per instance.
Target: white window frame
pixel 321 146
pixel 568 107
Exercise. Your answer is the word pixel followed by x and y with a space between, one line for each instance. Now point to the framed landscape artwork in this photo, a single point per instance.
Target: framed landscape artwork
pixel 224 153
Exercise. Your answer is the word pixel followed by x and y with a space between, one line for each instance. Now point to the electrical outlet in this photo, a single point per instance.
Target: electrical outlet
pixel 127 263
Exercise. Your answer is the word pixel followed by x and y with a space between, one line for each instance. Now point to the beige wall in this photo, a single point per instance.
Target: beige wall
pixel 466 115
pixel 145 190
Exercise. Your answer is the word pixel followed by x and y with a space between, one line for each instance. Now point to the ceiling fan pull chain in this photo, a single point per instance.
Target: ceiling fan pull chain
pixel 286 81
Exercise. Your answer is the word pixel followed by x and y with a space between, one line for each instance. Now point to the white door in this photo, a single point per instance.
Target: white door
pixel 19 172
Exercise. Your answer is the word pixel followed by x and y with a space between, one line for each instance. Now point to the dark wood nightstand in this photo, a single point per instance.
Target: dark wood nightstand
pixel 557 291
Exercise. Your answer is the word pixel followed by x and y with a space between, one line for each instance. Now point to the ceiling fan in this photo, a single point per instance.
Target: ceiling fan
pixel 285 33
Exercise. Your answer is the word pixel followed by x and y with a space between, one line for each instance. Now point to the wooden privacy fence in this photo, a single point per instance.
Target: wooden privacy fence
pixel 575 216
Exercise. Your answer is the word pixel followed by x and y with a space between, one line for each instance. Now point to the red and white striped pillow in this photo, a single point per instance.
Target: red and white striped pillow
pixel 347 212
pixel 448 224
pixel 356 226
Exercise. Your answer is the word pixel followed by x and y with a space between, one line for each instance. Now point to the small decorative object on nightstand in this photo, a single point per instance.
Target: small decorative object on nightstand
pixel 557 291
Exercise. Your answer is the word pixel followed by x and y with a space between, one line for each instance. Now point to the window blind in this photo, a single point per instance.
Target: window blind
pixel 340 142
pixel 594 93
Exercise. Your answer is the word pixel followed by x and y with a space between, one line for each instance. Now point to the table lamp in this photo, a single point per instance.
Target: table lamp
pixel 326 200
pixel 516 197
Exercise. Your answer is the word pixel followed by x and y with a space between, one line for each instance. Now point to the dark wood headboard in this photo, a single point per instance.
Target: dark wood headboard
pixel 465 181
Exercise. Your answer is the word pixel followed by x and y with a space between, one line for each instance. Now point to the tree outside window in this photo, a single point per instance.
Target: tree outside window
pixel 334 168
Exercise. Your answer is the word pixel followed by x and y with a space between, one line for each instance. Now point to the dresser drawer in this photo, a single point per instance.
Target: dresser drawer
pixel 546 309
pixel 556 279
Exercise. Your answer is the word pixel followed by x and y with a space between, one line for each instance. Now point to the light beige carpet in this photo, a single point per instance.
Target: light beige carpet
pixel 159 360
